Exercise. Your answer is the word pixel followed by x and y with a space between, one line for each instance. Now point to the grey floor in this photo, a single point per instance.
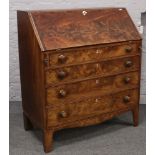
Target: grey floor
pixel 114 137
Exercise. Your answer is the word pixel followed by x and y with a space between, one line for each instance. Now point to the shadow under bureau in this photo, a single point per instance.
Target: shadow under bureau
pixel 77 67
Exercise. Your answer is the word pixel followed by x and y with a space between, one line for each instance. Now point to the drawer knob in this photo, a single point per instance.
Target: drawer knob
pixel 46 61
pixel 128 63
pixel 62 93
pixel 61 74
pixel 127 79
pixel 126 99
pixel 62 58
pixel 128 49
pixel 63 114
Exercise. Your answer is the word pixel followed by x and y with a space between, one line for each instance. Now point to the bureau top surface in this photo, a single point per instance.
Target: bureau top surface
pixel 59 29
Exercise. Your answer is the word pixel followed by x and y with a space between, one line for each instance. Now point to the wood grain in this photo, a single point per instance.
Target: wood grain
pixel 76 56
pixel 92 106
pixel 47 140
pixel 77 90
pixel 92 120
pixel 70 28
pixel 77 70
pixel 91 70
pixel 31 71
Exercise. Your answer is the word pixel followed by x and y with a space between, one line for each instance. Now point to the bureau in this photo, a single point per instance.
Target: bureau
pixel 77 67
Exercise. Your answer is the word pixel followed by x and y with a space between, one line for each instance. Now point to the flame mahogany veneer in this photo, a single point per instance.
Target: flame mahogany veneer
pixel 78 68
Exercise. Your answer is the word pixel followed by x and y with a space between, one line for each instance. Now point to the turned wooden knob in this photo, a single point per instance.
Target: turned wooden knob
pixel 63 114
pixel 46 61
pixel 127 79
pixel 128 49
pixel 128 63
pixel 61 74
pixel 126 99
pixel 62 93
pixel 62 58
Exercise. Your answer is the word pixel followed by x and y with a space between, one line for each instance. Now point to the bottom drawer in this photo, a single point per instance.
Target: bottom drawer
pixel 94 106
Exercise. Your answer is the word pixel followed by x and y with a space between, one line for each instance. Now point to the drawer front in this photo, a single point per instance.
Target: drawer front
pixel 94 54
pixel 80 110
pixel 67 74
pixel 74 91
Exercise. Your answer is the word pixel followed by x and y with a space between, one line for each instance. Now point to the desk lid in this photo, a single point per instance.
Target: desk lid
pixel 58 29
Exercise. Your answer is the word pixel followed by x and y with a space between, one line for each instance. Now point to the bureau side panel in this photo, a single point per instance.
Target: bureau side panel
pixel 31 70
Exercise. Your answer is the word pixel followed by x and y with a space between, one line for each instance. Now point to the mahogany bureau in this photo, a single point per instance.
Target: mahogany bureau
pixel 78 68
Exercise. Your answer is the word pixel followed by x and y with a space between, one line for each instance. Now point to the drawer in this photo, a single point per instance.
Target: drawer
pixel 74 91
pixel 90 107
pixel 75 56
pixel 79 72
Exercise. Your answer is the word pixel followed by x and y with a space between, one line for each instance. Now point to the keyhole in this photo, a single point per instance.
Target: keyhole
pixel 98 51
pixel 97 81
pixel 97 66
pixel 96 100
